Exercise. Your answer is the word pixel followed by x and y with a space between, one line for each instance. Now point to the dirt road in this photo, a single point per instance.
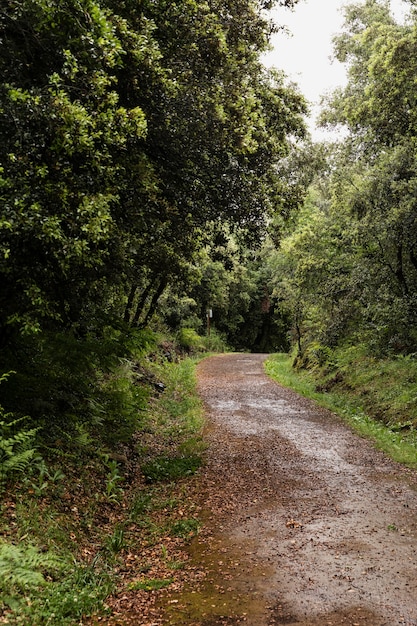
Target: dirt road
pixel 306 524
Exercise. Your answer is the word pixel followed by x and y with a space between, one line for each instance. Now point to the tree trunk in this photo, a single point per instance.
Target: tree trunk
pixel 129 304
pixel 158 293
pixel 140 305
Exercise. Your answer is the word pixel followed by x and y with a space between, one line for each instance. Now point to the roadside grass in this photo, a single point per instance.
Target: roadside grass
pixel 179 411
pixel 53 569
pixel 376 397
pixel 78 528
pixel 150 584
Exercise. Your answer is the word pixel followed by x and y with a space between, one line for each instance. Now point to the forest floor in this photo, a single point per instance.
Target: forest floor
pixel 305 523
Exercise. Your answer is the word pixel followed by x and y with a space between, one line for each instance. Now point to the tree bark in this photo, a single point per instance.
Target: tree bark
pixel 129 304
pixel 140 305
pixel 158 293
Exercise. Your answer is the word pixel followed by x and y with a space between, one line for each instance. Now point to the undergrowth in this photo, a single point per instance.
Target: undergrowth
pixel 377 397
pixel 78 522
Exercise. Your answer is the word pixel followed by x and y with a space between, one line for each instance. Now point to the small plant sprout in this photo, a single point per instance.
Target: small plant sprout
pixel 114 491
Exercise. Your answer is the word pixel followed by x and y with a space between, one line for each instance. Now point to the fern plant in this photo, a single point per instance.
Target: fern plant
pixel 113 489
pixel 16 444
pixel 25 567
pixel 16 447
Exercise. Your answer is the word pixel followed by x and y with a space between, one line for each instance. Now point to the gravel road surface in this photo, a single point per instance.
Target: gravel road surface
pixel 305 523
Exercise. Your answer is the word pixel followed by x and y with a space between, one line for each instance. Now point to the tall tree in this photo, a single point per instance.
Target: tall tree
pixel 351 260
pixel 64 134
pixel 125 128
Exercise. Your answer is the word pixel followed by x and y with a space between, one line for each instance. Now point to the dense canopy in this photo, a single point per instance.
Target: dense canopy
pixel 130 132
pixel 348 268
pixel 140 146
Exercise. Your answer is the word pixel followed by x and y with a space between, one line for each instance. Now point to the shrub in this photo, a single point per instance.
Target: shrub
pixel 190 340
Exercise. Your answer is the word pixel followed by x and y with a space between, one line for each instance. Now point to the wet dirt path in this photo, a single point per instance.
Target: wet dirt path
pixel 306 523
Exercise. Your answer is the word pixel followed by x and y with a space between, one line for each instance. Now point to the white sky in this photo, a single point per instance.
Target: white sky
pixel 305 55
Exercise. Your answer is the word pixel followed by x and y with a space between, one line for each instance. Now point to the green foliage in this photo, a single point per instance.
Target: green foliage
pixel 108 182
pixel 39 587
pixel 17 445
pixel 114 491
pixel 76 390
pixel 185 528
pixel 190 340
pixel 237 286
pixel 115 182
pixel 116 541
pixel 179 412
pixel 80 592
pixel 380 58
pixel 150 584
pixel 280 367
pixel 67 579
pixel 16 451
pixel 141 504
pixel 39 479
pixel 347 266
pixel 178 418
pixel 25 567
pixel 316 356
pixel 215 342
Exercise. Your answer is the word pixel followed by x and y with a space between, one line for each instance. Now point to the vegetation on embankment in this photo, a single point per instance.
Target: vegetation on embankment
pixel 376 396
pixel 82 523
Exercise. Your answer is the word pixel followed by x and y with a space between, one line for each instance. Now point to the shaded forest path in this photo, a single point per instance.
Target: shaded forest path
pixel 306 523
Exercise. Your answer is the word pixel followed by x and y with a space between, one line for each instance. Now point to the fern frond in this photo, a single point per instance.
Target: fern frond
pixel 16 449
pixel 17 462
pixel 24 567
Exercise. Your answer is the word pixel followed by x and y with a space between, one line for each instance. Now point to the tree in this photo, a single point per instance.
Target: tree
pixel 348 266
pixel 132 133
pixel 126 128
pixel 63 137
pixel 215 138
pixel 377 105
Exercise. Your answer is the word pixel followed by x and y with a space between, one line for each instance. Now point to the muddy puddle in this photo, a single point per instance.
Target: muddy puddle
pixel 307 524
pixel 231 590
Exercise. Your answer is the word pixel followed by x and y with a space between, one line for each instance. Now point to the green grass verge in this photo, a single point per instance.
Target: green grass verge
pixel 150 584
pixel 376 398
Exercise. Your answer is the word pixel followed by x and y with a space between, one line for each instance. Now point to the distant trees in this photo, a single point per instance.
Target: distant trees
pixel 349 267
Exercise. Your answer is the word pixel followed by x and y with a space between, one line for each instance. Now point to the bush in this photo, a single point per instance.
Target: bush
pixel 190 340
pixel 77 388
pixel 315 355
pixel 215 342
